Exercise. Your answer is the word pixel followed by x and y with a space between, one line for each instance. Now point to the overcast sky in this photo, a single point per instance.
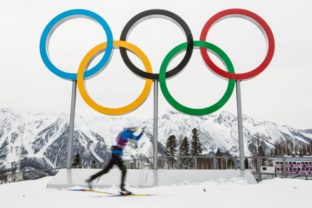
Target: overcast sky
pixel 282 93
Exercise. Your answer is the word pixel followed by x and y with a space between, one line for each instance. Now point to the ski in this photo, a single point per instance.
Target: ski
pixel 129 195
pixel 91 190
pixel 108 194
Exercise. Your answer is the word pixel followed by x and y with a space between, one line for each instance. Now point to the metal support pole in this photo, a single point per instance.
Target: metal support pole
pixel 215 163
pixel 155 132
pixel 258 168
pixel 284 166
pixel 240 126
pixel 71 125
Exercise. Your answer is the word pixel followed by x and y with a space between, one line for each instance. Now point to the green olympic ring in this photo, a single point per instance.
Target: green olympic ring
pixel 196 111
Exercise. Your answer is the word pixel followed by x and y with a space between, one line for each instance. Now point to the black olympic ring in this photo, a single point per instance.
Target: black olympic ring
pixel 178 20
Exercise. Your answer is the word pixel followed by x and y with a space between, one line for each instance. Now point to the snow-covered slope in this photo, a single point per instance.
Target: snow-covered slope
pixel 220 131
pixel 286 193
pixel 42 138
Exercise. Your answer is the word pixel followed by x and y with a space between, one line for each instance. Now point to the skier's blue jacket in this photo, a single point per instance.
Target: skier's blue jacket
pixel 122 140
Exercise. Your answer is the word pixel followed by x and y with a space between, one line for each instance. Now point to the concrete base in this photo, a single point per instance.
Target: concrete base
pixel 145 177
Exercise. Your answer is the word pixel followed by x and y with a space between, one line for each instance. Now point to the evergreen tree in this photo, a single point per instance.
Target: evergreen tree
pixel 219 153
pixel 196 148
pixel 258 141
pixel 184 150
pixel 219 158
pixel 171 146
pixel 77 161
pixel 93 164
pixel 171 149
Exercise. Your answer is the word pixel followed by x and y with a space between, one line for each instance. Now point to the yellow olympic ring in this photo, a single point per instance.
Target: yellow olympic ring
pixel 113 111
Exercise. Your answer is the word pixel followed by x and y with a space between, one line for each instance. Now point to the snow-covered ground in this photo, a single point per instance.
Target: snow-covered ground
pixel 286 193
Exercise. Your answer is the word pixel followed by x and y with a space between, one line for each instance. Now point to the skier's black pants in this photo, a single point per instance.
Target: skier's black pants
pixel 115 160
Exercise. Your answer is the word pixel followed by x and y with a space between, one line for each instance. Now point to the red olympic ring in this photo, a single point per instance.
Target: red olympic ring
pixel 250 16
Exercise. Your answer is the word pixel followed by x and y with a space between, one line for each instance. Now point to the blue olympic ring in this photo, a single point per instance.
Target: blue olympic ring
pixel 61 18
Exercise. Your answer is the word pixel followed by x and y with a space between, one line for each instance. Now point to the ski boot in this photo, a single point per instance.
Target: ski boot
pixel 89 184
pixel 124 192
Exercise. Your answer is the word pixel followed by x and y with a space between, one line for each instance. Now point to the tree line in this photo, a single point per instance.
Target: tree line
pixel 263 147
pixel 187 147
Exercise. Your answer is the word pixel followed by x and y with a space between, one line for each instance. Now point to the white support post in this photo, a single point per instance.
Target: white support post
pixel 71 125
pixel 155 133
pixel 240 126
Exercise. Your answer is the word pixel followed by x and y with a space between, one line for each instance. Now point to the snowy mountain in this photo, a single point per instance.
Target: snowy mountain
pixel 35 140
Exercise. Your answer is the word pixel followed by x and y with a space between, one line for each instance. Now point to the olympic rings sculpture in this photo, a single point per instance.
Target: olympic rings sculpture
pixel 108 46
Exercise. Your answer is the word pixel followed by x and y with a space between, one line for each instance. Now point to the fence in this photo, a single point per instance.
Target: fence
pixel 185 162
pixel 262 167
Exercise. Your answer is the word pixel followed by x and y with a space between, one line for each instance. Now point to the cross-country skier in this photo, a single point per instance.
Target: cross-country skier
pixel 116 159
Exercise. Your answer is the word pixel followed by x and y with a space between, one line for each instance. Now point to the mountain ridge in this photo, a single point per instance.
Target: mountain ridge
pixel 43 137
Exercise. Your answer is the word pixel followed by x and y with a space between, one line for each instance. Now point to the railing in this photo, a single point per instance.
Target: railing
pixel 185 162
pixel 261 167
